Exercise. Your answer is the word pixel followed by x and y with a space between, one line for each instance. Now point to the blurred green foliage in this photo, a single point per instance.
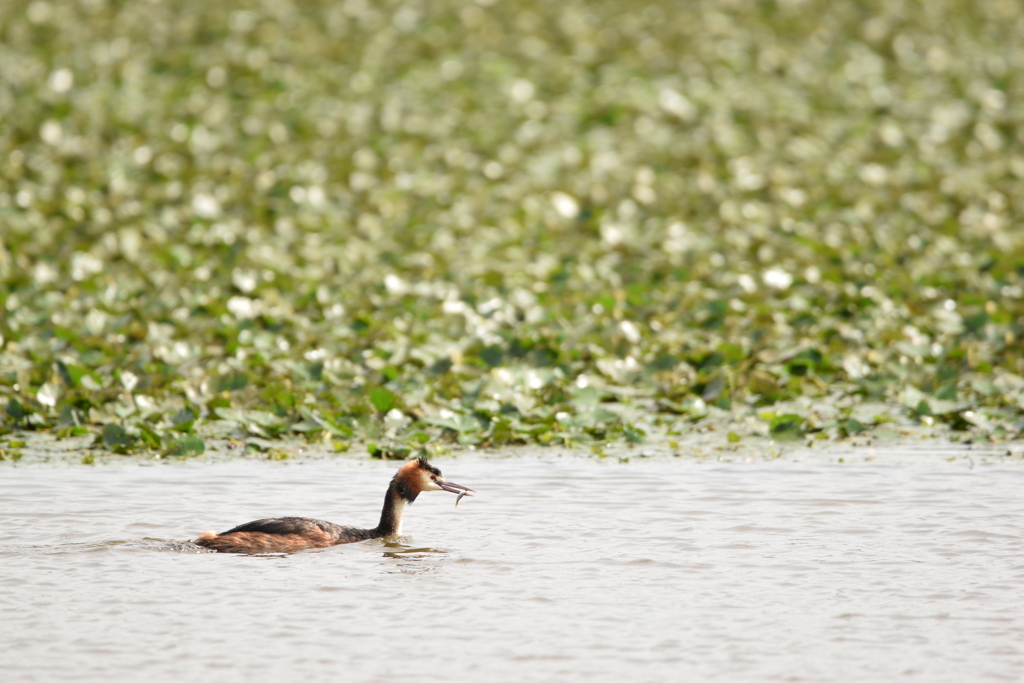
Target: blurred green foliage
pixel 494 222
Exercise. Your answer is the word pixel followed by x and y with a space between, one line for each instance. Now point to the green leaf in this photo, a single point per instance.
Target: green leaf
pixel 183 420
pixel 149 436
pixel 603 416
pixel 587 396
pixel 15 409
pixel 260 418
pixel 765 385
pixel 116 438
pixel 976 322
pixel 69 431
pixel 382 399
pixel 573 421
pixel 459 423
pixel 851 426
pixel 732 352
pixel 315 370
pixel 71 416
pixel 389 452
pixel 187 445
pixel 440 367
pixel 713 389
pixel 218 402
pixel 492 355
pixel 634 434
pixel 662 361
pixel 234 381
pixel 332 426
pixel 419 438
pixel 306 426
pixel 787 427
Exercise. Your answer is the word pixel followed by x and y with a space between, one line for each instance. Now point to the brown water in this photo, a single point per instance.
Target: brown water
pixel 563 569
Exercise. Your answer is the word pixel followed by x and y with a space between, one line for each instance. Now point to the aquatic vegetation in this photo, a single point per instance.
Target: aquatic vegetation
pixel 407 224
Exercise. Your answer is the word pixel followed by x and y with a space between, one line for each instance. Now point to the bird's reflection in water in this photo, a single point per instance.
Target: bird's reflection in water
pixel 412 560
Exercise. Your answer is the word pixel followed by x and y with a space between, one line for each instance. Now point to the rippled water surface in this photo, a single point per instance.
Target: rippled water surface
pixel 563 569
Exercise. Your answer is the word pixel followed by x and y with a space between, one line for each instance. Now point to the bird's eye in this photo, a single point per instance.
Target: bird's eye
pixel 433 478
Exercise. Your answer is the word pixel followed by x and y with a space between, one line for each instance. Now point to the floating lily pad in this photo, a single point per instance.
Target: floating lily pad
pixel 187 445
pixel 115 438
pixel 382 399
pixel 787 427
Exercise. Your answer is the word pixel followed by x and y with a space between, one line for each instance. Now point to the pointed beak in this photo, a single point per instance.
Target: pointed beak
pixel 456 488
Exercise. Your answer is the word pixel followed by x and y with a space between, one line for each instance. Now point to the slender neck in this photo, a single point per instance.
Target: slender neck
pixel 391 515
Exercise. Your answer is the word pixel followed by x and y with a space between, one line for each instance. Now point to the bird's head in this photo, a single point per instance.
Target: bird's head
pixel 419 475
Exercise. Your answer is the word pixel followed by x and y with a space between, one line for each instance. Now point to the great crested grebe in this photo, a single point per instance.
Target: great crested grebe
pixel 288 534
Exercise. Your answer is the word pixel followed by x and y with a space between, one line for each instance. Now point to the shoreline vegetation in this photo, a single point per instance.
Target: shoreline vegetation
pixel 420 227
